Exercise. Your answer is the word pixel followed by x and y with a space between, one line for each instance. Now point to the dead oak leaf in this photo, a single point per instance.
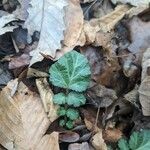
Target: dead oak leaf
pixel 23 121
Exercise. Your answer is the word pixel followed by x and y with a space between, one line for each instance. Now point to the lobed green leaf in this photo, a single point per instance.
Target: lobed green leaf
pixel 75 99
pixel 71 71
pixel 72 114
pixel 59 98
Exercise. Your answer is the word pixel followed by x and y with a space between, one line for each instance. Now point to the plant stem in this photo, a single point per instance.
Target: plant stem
pixel 66 106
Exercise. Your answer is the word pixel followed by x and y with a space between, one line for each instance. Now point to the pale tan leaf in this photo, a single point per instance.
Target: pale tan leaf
pixel 98 141
pixel 5 20
pixel 144 94
pixel 23 121
pixel 47 17
pixel 74 25
pixel 108 22
pixel 46 95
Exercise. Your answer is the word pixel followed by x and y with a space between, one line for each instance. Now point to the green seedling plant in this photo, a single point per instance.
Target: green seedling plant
pixel 72 73
pixel 138 141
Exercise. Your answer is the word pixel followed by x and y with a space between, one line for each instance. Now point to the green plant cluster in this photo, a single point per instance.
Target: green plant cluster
pixel 137 141
pixel 71 72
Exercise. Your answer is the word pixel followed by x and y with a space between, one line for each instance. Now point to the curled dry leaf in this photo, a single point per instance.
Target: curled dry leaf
pixel 108 22
pixel 23 121
pixel 46 95
pixel 98 141
pixel 144 94
pixel 50 25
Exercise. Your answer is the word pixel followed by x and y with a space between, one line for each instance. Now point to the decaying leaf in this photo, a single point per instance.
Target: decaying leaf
pixel 98 141
pixel 109 21
pixel 102 96
pixel 133 2
pixel 47 17
pixel 69 137
pixel 46 95
pixel 5 20
pixel 112 135
pixel 23 121
pixel 144 94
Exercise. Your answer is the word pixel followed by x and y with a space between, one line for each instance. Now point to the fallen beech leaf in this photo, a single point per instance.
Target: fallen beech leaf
pixel 144 94
pixel 108 22
pixel 50 25
pixel 69 137
pixel 23 121
pixel 21 11
pixel 112 135
pixel 49 142
pixel 98 141
pixel 5 20
pixel 77 146
pixel 46 95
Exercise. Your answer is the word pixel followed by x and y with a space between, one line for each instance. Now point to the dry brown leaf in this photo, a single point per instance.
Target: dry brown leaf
pixel 144 94
pixel 98 141
pixel 46 95
pixel 102 96
pixel 23 121
pixel 108 22
pixel 112 135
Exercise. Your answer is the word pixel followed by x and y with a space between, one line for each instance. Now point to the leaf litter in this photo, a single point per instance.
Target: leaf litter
pixel 112 36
